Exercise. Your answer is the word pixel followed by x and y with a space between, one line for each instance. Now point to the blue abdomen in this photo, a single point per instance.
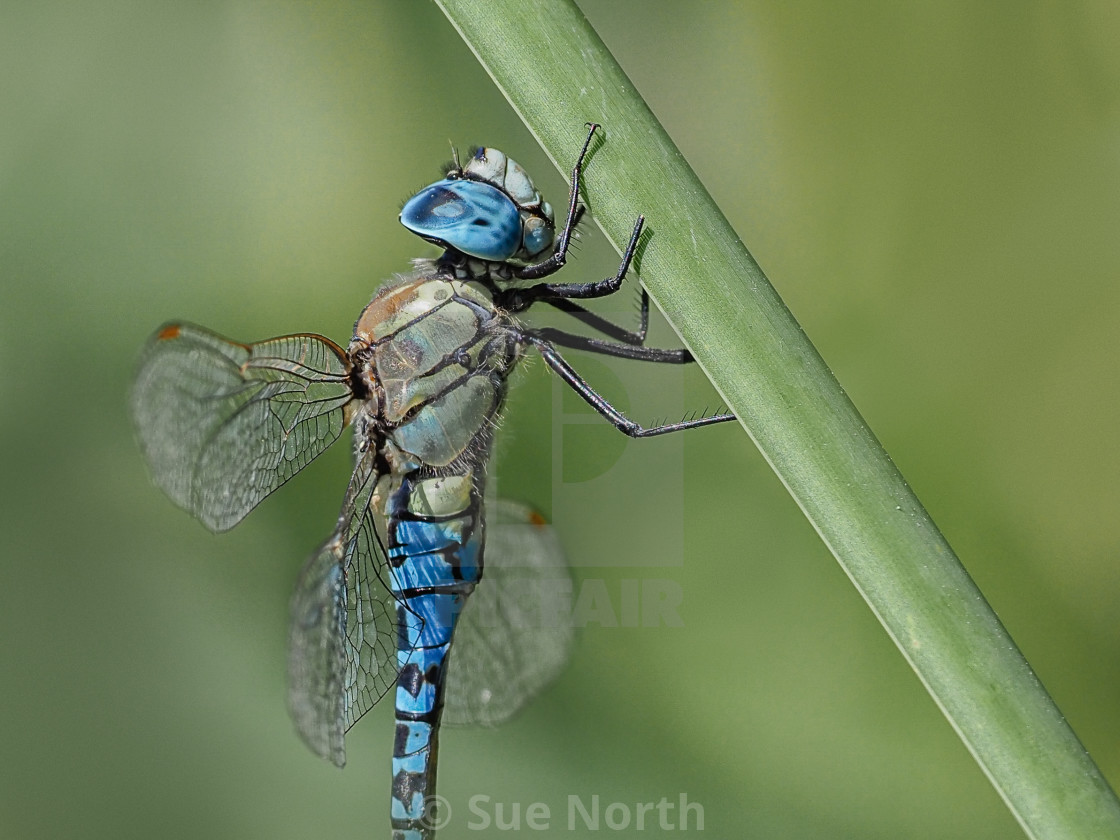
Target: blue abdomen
pixel 434 551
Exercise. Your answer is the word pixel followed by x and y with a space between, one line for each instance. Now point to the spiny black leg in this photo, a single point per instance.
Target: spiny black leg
pixel 518 300
pixel 555 262
pixel 600 288
pixel 628 427
pixel 608 328
pixel 610 348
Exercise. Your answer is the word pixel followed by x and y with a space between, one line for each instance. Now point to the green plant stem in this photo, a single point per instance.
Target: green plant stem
pixel 557 74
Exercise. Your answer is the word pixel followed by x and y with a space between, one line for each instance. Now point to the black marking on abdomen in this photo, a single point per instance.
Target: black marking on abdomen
pixel 412 679
pixel 431 717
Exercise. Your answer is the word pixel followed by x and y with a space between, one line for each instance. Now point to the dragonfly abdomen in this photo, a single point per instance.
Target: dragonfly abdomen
pixel 435 546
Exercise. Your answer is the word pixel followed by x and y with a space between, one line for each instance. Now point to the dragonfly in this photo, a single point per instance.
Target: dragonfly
pixel 413 563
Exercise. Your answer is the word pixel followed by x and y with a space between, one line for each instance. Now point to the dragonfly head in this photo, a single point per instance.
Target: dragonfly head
pixel 487 208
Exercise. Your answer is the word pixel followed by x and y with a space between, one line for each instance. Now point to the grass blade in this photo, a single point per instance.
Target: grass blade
pixel 558 75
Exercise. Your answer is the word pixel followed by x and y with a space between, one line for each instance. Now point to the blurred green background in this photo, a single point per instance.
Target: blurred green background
pixel 933 188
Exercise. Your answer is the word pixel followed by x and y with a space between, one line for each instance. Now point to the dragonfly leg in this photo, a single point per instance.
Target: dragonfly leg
pixel 560 255
pixel 605 326
pixel 610 348
pixel 518 300
pixel 616 418
pixel 631 341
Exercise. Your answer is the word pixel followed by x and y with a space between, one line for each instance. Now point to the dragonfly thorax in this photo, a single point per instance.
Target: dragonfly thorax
pixel 434 354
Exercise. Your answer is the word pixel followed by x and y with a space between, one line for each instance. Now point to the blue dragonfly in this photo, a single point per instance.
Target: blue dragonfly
pixel 423 379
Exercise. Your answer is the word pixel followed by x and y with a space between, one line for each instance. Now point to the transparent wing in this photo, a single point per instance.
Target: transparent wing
pixel 342 653
pixel 223 424
pixel 515 631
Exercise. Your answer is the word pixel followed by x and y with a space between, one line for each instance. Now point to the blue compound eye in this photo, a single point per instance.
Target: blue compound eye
pixel 469 216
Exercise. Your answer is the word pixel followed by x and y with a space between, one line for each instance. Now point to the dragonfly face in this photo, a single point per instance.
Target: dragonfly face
pixel 223 424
